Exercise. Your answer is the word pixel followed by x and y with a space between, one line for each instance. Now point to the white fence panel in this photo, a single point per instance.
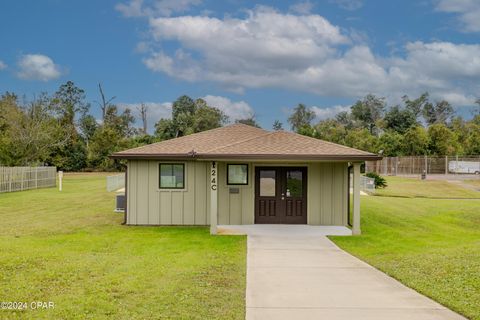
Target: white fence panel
pixel 26 178
pixel 115 182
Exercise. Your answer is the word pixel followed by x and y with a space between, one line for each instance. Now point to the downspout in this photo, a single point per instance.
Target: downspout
pixel 349 171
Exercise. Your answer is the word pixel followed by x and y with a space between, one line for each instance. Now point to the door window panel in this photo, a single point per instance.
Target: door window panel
pixel 294 183
pixel 267 183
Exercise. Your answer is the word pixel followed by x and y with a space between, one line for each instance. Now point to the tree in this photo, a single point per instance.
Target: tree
pixel 28 133
pixel 331 130
pixel 441 112
pixel 165 129
pixel 415 141
pixel 105 141
pixel 249 122
pixel 69 105
pixel 472 138
pixel 345 118
pixel 122 123
pixel 368 112
pixel 301 117
pixel 189 116
pixel 277 125
pixel 143 109
pixel 206 118
pixel 442 140
pixel 399 119
pixel 88 125
pixel 68 102
pixel 104 103
pixel 361 139
pixel 416 106
pixel 391 143
pixel 183 110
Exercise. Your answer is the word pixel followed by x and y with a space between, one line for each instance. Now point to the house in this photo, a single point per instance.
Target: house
pixel 240 174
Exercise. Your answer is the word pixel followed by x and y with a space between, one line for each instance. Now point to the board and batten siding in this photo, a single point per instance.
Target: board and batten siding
pixel 148 205
pixel 236 208
pixel 327 202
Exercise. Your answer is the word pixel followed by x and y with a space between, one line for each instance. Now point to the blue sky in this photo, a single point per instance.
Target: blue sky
pixel 244 57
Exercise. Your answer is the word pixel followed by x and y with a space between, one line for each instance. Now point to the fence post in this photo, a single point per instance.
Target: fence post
pixel 446 165
pixel 10 180
pixel 396 165
pixel 22 171
pixel 426 165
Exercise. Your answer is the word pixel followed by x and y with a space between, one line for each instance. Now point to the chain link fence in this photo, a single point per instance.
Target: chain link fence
pixel 115 182
pixel 444 165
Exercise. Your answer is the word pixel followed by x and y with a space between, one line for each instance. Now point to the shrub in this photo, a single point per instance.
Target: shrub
pixel 380 181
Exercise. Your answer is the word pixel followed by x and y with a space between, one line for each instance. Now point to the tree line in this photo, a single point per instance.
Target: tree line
pixel 416 127
pixel 59 129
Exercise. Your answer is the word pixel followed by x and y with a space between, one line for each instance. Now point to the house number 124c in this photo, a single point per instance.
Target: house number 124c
pixel 214 177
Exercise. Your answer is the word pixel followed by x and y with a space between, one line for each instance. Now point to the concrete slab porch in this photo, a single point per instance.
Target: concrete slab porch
pixel 296 272
pixel 278 229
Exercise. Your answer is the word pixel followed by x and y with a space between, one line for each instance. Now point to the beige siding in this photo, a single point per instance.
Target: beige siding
pixel 147 204
pixel 327 195
pixel 235 208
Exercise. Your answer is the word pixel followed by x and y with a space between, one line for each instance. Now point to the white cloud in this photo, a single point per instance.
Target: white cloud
pixel 234 110
pixel 38 67
pixel 2 65
pixel 468 11
pixel 329 112
pixel 268 49
pixel 348 4
pixel 304 7
pixel 141 8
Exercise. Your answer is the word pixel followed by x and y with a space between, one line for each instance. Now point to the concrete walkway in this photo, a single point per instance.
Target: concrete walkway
pixel 295 272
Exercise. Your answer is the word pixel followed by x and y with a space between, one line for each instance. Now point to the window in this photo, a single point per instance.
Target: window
pixel 294 183
pixel 267 183
pixel 237 174
pixel 172 176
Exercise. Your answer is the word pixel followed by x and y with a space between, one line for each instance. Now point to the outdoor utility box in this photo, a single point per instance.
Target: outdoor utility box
pixel 120 202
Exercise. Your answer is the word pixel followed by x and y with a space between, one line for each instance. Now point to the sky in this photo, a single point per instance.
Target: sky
pixel 247 58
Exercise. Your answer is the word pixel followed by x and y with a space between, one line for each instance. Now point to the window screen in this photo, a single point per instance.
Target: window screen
pixel 172 176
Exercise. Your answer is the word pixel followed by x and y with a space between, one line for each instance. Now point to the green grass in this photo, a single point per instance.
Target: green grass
pixel 430 245
pixel 70 248
pixel 410 187
pixel 475 183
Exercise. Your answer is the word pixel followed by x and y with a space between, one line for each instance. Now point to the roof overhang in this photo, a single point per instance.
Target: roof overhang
pixel 277 157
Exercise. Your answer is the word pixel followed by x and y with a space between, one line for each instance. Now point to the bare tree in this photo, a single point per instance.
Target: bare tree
pixel 143 114
pixel 104 103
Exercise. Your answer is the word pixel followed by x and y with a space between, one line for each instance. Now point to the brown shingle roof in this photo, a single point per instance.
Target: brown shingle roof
pixel 239 141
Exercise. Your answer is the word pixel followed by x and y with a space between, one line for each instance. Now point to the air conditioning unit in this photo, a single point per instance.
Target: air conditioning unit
pixel 120 202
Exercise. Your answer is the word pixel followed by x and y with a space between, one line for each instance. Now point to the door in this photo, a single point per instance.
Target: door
pixel 281 195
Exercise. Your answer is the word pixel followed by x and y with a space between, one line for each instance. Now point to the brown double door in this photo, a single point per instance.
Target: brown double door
pixel 281 195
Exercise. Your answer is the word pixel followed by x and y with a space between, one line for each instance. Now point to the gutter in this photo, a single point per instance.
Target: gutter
pixel 193 155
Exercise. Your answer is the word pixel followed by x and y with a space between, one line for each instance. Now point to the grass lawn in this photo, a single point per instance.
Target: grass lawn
pixel 475 183
pixel 410 187
pixel 70 248
pixel 430 245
